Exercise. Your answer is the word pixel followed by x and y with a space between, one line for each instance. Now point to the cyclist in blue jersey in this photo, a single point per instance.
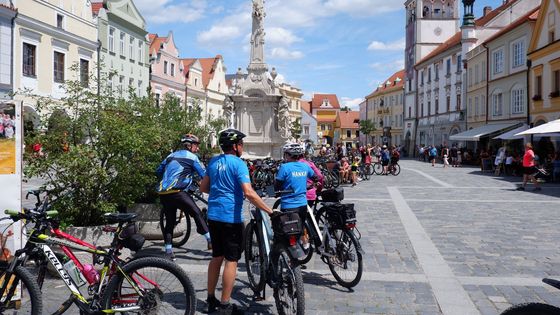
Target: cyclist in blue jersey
pixel 176 173
pixel 227 181
pixel 293 175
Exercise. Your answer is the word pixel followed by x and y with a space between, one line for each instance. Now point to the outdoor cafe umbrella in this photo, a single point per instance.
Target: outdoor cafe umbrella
pixel 551 129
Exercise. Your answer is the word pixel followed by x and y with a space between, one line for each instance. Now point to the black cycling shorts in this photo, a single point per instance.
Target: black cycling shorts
pixel 227 239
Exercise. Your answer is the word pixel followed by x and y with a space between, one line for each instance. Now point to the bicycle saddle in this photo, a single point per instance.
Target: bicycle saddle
pixel 120 217
pixel 552 282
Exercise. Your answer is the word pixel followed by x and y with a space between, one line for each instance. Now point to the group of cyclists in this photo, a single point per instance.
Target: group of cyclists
pixel 227 182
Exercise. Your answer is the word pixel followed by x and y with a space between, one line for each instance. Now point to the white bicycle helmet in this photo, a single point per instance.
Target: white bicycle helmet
pixel 293 149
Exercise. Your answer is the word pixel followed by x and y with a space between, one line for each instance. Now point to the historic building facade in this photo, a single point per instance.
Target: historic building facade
pixel 7 15
pixel 325 108
pixel 124 47
pixel 308 123
pixel 348 127
pixel 166 75
pixel 477 80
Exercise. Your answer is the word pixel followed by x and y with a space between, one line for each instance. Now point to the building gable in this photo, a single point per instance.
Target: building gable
pixel 126 10
pixel 549 14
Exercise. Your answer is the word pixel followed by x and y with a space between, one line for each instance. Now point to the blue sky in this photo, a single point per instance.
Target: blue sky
pixel 345 47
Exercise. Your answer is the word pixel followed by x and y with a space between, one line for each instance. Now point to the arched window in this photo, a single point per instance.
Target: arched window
pixel 517 99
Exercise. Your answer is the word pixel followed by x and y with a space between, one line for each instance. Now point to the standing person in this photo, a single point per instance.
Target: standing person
pixel 445 155
pixel 385 158
pixel 227 181
pixel 312 189
pixel 433 154
pixel 529 168
pixel 354 170
pixel 453 153
pixel 176 173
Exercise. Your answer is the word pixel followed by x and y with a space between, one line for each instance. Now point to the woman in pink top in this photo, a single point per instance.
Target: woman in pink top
pixel 312 192
pixel 529 169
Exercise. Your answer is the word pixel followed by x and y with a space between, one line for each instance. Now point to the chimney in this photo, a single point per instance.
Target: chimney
pixel 487 10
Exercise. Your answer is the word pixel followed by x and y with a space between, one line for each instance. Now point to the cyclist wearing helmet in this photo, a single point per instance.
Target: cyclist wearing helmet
pixel 294 175
pixel 176 173
pixel 227 181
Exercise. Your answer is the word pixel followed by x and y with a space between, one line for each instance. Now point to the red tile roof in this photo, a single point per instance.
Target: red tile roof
pixel 529 17
pixel 207 65
pixel 456 39
pixel 155 42
pixel 326 119
pixel 393 86
pixel 306 106
pixel 317 100
pixel 95 7
pixel 10 7
pixel 349 119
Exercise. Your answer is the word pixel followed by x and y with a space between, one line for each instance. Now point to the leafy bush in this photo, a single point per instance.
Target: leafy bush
pixel 101 151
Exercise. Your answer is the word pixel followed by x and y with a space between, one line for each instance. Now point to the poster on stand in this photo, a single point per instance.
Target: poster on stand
pixel 11 158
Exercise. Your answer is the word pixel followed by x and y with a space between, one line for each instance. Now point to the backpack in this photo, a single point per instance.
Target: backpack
pixel 433 152
pixel 385 155
pixel 396 155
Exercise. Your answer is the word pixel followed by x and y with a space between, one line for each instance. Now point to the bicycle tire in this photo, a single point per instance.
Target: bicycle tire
pixel 396 170
pixel 41 269
pixel 183 220
pixel 309 250
pixel 532 309
pixel 377 168
pixel 369 169
pixel 254 258
pixel 327 180
pixel 290 280
pixel 345 240
pixel 31 297
pixel 335 179
pixel 163 270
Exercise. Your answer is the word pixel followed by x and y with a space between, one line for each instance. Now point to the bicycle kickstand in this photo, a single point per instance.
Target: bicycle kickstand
pixel 260 297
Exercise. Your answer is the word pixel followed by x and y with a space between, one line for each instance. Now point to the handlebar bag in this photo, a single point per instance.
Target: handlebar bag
pixel 332 195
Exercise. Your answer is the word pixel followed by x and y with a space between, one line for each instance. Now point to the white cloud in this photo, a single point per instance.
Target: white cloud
pixel 352 103
pixel 396 45
pixel 391 66
pixel 168 11
pixel 219 33
pixel 283 53
pixel 278 36
pixel 364 7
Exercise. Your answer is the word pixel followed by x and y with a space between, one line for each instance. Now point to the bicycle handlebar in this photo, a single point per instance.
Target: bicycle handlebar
pixel 31 215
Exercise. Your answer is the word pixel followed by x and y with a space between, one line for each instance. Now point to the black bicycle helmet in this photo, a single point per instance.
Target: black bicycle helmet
pixel 229 137
pixel 190 138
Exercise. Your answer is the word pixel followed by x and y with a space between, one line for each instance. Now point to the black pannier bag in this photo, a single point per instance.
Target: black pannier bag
pixel 287 223
pixel 332 195
pixel 339 215
pixel 130 238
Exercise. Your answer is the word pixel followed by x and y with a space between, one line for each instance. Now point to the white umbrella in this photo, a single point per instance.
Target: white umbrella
pixel 551 129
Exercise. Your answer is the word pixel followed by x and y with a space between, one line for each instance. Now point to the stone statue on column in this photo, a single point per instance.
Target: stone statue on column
pixel 229 110
pixel 284 122
pixel 257 35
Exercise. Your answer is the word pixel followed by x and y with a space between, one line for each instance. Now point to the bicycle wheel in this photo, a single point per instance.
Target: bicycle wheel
pixel 335 179
pixel 346 265
pixel 327 180
pixel 309 250
pixel 377 168
pixel 30 302
pixel 254 258
pixel 182 229
pixel 369 169
pixel 396 170
pixel 165 288
pixel 532 309
pixel 288 293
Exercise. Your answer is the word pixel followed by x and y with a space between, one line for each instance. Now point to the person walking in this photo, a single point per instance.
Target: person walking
pixel 529 168
pixel 433 154
pixel 176 173
pixel 227 182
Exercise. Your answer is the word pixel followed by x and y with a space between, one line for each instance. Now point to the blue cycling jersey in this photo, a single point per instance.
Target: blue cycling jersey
pixel 225 202
pixel 294 175
pixel 177 169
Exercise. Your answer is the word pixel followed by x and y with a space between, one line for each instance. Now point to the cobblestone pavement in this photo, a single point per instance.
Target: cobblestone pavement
pixel 437 241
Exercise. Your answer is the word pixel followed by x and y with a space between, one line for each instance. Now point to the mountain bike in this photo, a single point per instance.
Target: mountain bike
pixel 275 263
pixel 394 168
pixel 332 234
pixel 535 308
pixel 144 285
pixel 182 228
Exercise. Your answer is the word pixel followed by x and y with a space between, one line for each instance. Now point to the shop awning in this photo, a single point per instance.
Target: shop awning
pixel 511 135
pixel 476 133
pixel 551 129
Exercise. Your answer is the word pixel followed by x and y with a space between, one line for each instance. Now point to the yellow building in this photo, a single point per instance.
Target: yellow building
pixel 294 95
pixel 544 56
pixel 49 38
pixel 325 108
pixel 387 114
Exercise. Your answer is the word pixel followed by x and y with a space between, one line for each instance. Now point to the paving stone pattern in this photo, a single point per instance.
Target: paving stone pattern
pixel 497 242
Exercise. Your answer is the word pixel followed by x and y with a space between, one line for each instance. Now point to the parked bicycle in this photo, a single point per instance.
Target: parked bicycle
pixel 275 263
pixel 394 168
pixel 535 308
pixel 332 233
pixel 148 285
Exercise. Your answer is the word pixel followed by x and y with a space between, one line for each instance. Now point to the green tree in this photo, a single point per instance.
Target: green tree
pixel 366 128
pixel 101 151
pixel 295 130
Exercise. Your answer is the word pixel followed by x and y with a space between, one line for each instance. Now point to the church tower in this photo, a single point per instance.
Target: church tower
pixel 429 23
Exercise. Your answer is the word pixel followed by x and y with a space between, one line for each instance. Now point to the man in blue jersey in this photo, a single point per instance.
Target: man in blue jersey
pixel 293 175
pixel 227 181
pixel 176 173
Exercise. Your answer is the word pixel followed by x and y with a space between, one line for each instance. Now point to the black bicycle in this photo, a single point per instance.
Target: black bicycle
pixel 275 263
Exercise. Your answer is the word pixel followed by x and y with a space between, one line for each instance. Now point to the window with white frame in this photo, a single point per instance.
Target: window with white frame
pixel 29 59
pixel 58 67
pixel 448 66
pixel 165 67
pixel 112 39
pixel 476 106
pixel 140 51
pixel 497 103
pixel 173 70
pixel 131 48
pixel 518 53
pixel 517 100
pixel 121 43
pixel 459 62
pixel 483 71
pixel 306 130
pixel 470 109
pixel 121 85
pixel 498 61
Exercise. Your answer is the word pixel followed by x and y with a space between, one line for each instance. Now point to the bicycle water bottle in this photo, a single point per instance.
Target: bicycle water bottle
pixel 74 273
pixel 92 276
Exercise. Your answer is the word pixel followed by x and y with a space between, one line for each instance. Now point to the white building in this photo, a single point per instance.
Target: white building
pixel 7 15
